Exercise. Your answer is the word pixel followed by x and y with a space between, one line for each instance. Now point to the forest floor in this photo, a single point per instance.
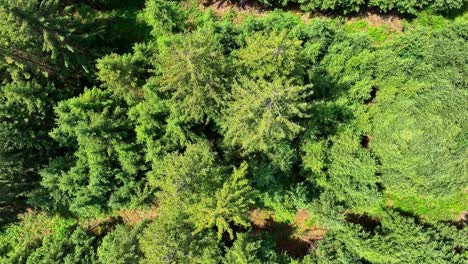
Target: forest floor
pixel 251 7
pixel 298 238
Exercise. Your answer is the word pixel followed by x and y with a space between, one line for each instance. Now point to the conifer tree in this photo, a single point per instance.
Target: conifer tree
pixel 45 37
pixel 243 251
pixel 272 55
pixel 262 114
pixel 228 206
pixel 106 169
pixel 169 239
pixel 120 246
pixel 26 116
pixel 193 76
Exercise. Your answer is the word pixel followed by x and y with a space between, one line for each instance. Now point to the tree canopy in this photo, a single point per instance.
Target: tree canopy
pixel 295 131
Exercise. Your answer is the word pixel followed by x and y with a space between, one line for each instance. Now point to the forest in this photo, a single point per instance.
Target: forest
pixel 217 131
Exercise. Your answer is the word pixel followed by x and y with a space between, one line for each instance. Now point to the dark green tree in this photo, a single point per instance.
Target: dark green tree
pixel 45 36
pixel 26 117
pixel 106 170
pixel 125 74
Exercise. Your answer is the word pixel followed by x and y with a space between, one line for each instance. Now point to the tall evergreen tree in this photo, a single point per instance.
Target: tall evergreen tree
pixel 44 36
pixel 262 114
pixel 272 55
pixel 192 75
pixel 228 206
pixel 169 239
pixel 106 170
pixel 26 117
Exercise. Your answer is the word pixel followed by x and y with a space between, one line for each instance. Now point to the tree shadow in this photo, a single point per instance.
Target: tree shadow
pixel 284 237
pixel 368 223
pixel 460 223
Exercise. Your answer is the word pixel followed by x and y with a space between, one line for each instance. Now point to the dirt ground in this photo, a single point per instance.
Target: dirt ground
pixel 252 7
pixel 297 239
pixel 376 20
pixel 221 7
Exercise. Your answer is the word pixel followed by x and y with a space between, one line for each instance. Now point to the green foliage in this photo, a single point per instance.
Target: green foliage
pixel 271 56
pixel 150 128
pixel 187 177
pixel 123 75
pixel 211 119
pixel 346 6
pixel 192 76
pixel 413 6
pixel 416 132
pixel 351 6
pixel 46 54
pixel 163 16
pixel 243 251
pixel 26 117
pixel 44 37
pixel 415 155
pixel 397 240
pixel 105 171
pixel 195 184
pixel 69 246
pixel 262 114
pixel 376 33
pixel 352 174
pixel 18 241
pixel 120 246
pixel 285 204
pixel 26 111
pixel 228 206
pixel 169 239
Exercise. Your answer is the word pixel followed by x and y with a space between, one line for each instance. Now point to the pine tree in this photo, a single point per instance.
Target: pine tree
pixel 228 206
pixel 271 56
pixel 243 251
pixel 26 117
pixel 184 178
pixel 262 114
pixel 106 168
pixel 192 75
pixel 43 36
pixel 169 239
pixel 65 246
pixel 120 246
